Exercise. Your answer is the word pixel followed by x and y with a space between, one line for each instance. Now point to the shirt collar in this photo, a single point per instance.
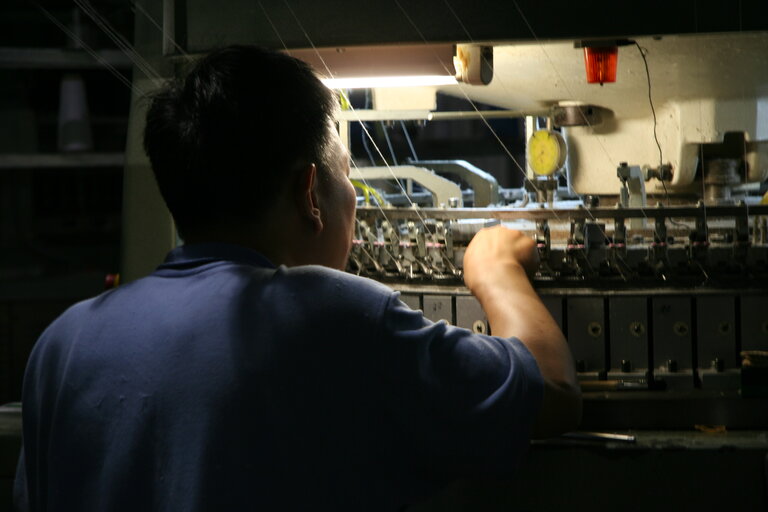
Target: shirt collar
pixel 193 255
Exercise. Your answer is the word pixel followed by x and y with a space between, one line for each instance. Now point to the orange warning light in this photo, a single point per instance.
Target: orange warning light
pixel 601 62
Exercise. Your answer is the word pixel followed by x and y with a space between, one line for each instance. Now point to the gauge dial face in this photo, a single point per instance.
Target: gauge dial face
pixel 546 152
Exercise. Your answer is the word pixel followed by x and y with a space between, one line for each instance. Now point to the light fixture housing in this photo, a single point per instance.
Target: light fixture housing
pixel 601 64
pixel 601 58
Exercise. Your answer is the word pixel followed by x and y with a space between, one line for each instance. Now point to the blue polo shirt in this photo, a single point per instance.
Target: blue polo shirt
pixel 220 382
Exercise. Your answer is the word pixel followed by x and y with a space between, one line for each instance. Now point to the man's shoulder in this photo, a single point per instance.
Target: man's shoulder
pixel 329 287
pixel 327 277
pixel 56 337
pixel 73 313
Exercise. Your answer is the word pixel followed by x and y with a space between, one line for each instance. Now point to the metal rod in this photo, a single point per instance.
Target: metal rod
pixel 60 160
pixel 572 213
pixel 600 436
pixel 426 115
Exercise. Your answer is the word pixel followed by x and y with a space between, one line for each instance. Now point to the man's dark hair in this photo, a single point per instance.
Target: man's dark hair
pixel 225 139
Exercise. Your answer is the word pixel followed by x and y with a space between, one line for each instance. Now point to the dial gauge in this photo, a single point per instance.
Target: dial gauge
pixel 546 152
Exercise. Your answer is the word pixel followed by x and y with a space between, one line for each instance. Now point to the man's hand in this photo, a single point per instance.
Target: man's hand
pixel 498 265
pixel 498 250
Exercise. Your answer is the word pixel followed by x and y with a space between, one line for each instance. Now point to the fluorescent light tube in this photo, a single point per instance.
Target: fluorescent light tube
pixel 373 82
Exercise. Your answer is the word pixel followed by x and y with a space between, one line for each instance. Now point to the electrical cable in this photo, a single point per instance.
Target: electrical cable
pixel 369 191
pixel 655 134
pixel 650 101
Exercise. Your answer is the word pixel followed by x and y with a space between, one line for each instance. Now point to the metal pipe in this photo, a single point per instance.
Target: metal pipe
pixel 426 115
pixel 691 212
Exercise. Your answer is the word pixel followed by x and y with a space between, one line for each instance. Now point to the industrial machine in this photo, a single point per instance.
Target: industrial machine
pixel 643 183
pixel 649 221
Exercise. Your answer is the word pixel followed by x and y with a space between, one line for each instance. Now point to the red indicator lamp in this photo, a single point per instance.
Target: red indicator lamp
pixel 601 64
pixel 601 58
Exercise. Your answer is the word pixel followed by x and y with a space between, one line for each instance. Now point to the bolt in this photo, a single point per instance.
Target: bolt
pixel 680 328
pixel 592 201
pixel 636 328
pixel 595 329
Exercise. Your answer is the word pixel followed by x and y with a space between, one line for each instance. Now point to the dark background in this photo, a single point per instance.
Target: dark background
pixel 59 210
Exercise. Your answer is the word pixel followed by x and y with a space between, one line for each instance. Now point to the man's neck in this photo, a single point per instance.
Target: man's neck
pixel 274 246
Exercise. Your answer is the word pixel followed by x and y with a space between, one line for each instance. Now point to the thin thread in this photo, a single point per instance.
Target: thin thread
pixel 568 89
pixel 408 139
pixel 137 7
pixel 363 132
pixel 344 96
pixel 120 41
pixel 559 77
pixel 389 142
pixel 474 106
pixel 375 146
pixel 274 28
pixel 546 54
pixel 93 53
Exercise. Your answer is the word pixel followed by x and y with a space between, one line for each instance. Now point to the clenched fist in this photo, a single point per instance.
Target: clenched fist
pixel 496 252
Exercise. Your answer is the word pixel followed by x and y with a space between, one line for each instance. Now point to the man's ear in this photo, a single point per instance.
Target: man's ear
pixel 307 198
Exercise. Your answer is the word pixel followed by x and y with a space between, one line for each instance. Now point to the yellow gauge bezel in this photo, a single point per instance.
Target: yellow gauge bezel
pixel 546 152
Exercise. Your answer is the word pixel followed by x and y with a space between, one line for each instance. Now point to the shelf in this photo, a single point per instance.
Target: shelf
pixel 60 160
pixel 56 58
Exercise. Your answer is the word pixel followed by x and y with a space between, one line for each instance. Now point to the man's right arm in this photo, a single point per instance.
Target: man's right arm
pixel 497 266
